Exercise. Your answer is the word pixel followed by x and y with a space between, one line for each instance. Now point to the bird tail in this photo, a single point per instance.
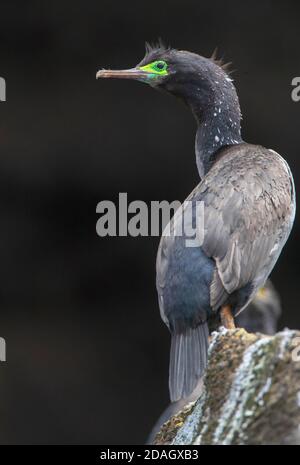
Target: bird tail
pixel 188 360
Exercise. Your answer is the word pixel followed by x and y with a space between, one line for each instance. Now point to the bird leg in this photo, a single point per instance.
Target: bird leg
pixel 227 319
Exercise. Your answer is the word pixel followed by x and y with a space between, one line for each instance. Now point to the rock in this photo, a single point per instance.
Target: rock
pixel 250 394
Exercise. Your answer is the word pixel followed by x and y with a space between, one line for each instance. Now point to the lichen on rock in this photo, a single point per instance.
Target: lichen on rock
pixel 250 394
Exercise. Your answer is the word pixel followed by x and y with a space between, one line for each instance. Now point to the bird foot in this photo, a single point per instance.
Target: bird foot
pixel 227 319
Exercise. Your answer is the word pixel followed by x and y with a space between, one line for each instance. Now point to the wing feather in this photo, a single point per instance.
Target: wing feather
pixel 248 215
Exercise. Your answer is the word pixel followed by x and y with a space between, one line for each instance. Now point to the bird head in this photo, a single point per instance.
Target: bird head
pixel 181 73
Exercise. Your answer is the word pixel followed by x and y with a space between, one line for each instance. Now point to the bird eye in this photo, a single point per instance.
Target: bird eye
pixel 160 65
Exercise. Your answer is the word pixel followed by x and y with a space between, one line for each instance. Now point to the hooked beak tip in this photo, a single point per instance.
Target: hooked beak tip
pixel 102 73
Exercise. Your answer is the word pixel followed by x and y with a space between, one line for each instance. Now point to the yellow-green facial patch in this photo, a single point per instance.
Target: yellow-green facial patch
pixel 156 68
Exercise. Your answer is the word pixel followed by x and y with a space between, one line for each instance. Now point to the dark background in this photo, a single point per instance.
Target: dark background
pixel 87 353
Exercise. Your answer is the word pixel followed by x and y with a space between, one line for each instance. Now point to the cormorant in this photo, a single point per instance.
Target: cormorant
pixel 249 208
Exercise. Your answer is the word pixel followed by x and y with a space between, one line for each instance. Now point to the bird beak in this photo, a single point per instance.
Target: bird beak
pixel 133 73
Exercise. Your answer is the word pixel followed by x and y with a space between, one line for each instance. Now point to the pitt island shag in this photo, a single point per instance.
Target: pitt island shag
pixel 249 208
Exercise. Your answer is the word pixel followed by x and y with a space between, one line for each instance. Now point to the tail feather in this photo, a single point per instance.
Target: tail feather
pixel 188 360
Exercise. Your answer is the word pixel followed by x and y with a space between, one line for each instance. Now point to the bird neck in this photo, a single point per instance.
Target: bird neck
pixel 219 124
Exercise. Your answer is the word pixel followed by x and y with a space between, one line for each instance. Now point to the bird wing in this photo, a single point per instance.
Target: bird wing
pixel 248 214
